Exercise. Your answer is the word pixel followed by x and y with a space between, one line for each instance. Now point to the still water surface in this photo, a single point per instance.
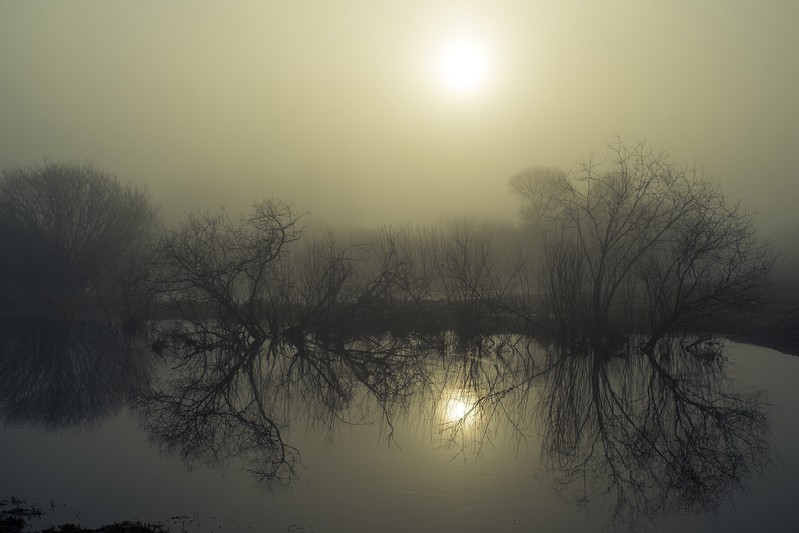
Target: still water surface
pixel 449 464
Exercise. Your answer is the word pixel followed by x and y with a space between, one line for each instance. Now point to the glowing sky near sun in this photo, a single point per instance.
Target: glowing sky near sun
pixel 362 112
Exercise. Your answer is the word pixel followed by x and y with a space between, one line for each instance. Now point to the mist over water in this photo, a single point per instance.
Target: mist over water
pixel 353 267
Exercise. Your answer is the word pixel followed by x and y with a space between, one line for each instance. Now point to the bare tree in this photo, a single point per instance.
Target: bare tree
pixel 213 266
pixel 639 228
pixel 345 286
pixel 482 274
pixel 467 267
pixel 712 261
pixel 538 189
pixel 564 307
pixel 72 229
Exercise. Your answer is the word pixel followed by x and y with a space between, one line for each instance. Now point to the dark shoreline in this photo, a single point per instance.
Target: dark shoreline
pixel 772 323
pixel 16 515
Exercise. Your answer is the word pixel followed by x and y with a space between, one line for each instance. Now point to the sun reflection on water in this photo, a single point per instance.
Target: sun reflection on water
pixel 458 408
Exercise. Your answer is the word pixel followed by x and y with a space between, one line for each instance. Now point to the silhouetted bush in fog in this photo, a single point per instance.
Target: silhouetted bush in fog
pixel 639 243
pixel 260 271
pixel 481 272
pixel 213 265
pixel 71 230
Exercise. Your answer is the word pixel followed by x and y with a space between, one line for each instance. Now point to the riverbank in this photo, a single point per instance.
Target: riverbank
pixel 772 324
pixel 16 516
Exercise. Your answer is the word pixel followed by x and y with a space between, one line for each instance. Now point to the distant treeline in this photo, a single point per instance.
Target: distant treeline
pixel 632 244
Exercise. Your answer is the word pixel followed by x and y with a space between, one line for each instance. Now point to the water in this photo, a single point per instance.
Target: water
pixel 448 464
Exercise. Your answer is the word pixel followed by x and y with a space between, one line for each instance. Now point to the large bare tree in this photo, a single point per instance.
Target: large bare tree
pixel 71 229
pixel 215 266
pixel 636 235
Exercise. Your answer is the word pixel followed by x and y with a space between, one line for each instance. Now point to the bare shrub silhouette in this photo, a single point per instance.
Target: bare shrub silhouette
pixel 69 231
pixel 639 236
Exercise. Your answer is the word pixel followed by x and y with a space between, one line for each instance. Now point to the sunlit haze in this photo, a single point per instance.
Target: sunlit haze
pixel 362 112
pixel 463 67
pixel 420 265
pixel 459 409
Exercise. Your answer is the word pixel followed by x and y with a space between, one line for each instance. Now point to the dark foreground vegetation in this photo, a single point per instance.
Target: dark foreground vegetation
pixel 607 300
pixel 16 515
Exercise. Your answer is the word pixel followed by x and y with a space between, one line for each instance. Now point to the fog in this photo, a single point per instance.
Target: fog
pixel 479 285
pixel 337 108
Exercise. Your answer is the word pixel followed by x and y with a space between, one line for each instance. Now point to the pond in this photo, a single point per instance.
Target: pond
pixel 497 434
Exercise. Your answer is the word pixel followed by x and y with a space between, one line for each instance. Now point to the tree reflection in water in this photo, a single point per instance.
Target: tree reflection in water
pixel 637 434
pixel 228 394
pixel 652 432
pixel 61 373
pixel 643 433
pixel 481 389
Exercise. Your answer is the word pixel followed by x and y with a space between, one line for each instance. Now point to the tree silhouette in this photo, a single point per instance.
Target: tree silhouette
pixel 69 230
pixel 638 236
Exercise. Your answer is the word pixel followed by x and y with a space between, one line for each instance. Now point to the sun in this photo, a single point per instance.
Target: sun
pixel 458 410
pixel 463 67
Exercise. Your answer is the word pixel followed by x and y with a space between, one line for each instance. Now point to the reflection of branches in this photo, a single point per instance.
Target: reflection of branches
pixel 652 433
pixel 231 395
pixel 384 370
pixel 644 434
pixel 269 332
pixel 64 374
pixel 216 401
pixel 491 377
pixel 263 323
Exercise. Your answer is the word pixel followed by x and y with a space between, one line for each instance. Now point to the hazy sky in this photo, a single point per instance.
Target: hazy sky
pixel 342 108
